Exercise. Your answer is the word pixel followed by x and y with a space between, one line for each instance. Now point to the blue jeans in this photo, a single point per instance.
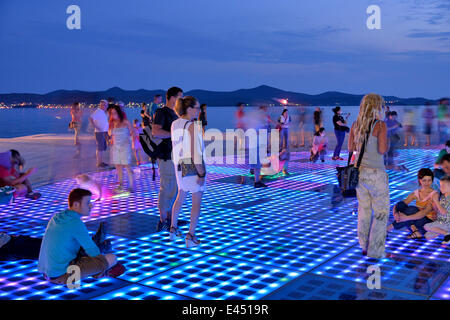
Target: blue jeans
pixel 340 137
pixel 410 210
pixel 284 136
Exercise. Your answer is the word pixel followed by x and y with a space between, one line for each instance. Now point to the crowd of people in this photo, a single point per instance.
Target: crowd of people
pixel 177 128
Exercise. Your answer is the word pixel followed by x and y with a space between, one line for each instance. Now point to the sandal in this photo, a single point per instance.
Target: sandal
pixel 174 233
pixel 413 235
pixel 191 241
pixel 33 195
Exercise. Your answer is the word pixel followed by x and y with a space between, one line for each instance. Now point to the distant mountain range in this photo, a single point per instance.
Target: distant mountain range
pixel 256 96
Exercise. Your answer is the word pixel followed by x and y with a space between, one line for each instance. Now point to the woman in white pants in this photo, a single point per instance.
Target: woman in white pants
pixel 373 187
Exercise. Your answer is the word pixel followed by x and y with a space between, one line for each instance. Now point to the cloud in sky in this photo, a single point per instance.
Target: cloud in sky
pixel 302 46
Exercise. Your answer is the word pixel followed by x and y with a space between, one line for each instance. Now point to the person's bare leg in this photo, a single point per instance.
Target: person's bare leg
pixel 119 169
pixel 176 208
pixel 302 137
pixel 27 184
pixel 130 177
pixel 136 156
pixel 257 174
pixel 195 211
pixel 21 190
pixel 77 132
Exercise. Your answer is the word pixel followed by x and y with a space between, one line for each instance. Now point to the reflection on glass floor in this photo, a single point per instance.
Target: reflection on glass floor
pixel 295 239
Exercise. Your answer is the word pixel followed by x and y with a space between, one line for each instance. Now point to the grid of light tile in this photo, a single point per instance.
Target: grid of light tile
pixel 294 240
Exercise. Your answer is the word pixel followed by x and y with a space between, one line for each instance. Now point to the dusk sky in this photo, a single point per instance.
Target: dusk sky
pixel 308 46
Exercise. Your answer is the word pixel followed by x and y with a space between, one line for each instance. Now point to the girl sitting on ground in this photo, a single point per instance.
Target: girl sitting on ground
pixel 415 217
pixel 276 163
pixel 319 147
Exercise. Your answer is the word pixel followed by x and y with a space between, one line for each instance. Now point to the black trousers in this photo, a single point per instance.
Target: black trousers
pixel 21 247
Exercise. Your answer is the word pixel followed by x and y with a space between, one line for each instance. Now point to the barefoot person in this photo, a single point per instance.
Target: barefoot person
pixel 99 121
pixel 64 236
pixel 373 187
pixel 11 175
pixel 187 144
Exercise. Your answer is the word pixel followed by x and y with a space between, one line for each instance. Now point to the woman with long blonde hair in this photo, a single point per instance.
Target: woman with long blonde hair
pixel 370 132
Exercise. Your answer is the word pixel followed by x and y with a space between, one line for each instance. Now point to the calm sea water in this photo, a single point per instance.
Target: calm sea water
pixel 24 122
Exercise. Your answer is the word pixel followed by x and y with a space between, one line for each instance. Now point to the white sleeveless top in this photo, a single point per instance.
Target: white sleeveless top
pixel 181 144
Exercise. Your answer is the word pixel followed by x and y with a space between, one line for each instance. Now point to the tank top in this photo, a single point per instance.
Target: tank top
pixel 422 203
pixel 181 141
pixel 371 158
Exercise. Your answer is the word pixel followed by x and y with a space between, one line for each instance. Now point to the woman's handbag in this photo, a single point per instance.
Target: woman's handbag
pixel 186 166
pixel 348 177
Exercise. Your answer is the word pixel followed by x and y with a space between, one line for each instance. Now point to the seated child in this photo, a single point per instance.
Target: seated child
pixel 442 223
pixel 319 147
pixel 11 175
pixel 276 164
pixel 65 235
pixel 415 217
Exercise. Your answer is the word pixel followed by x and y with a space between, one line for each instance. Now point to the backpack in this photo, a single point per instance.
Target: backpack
pixel 149 142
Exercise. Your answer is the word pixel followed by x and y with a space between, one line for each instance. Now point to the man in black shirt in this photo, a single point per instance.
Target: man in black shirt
pixel 168 184
pixel 340 128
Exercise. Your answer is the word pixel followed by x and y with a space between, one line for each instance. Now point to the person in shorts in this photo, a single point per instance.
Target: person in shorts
pixel 99 121
pixel 168 184
pixel 64 236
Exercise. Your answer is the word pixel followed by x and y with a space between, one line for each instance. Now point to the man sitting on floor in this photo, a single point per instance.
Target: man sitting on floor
pixel 63 238
pixel 11 162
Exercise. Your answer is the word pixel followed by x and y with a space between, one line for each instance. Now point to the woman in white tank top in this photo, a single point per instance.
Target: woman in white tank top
pixel 187 143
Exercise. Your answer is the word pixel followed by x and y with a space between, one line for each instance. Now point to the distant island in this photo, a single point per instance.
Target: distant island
pixel 256 96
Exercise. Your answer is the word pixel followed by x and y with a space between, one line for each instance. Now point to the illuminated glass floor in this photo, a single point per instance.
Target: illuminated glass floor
pixel 295 239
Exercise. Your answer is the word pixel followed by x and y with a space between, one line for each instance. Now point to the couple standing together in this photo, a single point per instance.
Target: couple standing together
pixel 174 124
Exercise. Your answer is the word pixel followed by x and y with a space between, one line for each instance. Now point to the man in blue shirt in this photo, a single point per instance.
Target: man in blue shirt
pixel 157 100
pixel 64 235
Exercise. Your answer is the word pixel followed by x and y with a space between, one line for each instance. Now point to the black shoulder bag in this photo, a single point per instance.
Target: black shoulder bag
pixel 348 176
